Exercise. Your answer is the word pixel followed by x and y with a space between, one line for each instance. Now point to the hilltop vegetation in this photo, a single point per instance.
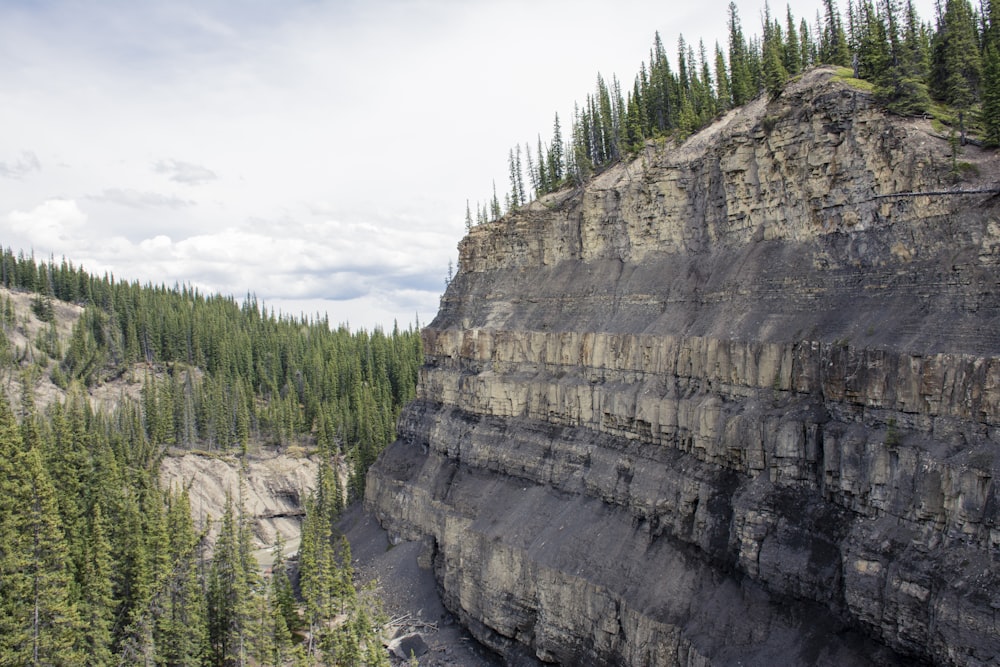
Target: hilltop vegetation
pixel 949 69
pixel 99 565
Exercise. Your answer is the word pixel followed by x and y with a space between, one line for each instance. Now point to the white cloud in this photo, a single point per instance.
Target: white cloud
pixel 52 224
pixel 140 199
pixel 26 163
pixel 184 172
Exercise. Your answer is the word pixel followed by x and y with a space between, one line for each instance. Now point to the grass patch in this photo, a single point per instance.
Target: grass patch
pixel 945 118
pixel 846 75
pixel 966 169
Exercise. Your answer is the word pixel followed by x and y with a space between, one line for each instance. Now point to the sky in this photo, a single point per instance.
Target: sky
pixel 316 154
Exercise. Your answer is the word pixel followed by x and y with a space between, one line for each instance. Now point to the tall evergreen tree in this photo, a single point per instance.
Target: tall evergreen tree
pixel 775 74
pixel 722 91
pixel 833 48
pixel 97 603
pixel 182 623
pixel 228 595
pixel 39 622
pixel 957 67
pixel 991 75
pixel 556 165
pixel 740 77
pixel 900 81
pixel 792 53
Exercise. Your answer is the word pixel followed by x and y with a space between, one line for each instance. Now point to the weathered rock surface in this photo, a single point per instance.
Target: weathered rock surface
pixel 732 402
pixel 272 488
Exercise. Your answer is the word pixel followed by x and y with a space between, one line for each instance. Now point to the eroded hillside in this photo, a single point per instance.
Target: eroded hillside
pixel 731 401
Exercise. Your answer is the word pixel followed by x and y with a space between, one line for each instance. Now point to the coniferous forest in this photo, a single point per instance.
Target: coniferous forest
pixel 98 564
pixel 947 68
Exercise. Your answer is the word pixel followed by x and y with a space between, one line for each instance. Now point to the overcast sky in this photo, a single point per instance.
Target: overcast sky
pixel 318 154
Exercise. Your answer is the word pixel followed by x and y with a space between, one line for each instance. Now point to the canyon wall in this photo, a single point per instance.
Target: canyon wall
pixel 731 402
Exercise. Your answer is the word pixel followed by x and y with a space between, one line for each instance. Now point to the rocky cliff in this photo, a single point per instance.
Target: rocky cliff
pixel 732 402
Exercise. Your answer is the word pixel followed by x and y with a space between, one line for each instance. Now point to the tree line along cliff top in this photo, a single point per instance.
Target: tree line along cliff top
pixel 947 68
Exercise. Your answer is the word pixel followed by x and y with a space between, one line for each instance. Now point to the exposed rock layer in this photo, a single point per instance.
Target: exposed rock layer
pixel 270 488
pixel 734 401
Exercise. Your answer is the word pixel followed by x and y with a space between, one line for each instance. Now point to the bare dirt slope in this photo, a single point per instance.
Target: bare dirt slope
pixel 406 586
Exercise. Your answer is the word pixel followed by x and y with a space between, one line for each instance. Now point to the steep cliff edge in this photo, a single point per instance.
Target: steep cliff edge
pixel 736 401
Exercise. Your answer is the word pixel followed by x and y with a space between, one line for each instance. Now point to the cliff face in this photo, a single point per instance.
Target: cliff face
pixel 736 401
pixel 272 490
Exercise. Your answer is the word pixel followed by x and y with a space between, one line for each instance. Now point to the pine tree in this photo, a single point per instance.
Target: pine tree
pixel 15 589
pixel 495 211
pixel 54 622
pixel 282 593
pixel 181 623
pixel 806 45
pixel 740 77
pixel 833 49
pixel 872 45
pixel 991 76
pixel 555 155
pixel 775 74
pixel 792 52
pixel 899 70
pixel 97 604
pixel 542 177
pixel 722 91
pixel 957 67
pixel 228 595
pixel 39 622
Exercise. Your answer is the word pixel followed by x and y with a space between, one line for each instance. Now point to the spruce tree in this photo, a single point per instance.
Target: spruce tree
pixel 834 49
pixel 957 67
pixel 900 83
pixel 722 92
pixel 872 51
pixel 181 622
pixel 740 77
pixel 555 155
pixel 775 74
pixel 228 595
pixel 792 52
pixel 54 621
pixel 991 77
pixel 39 621
pixel 97 603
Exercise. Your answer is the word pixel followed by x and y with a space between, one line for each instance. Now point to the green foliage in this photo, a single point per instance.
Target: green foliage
pixel 114 566
pixel 774 71
pixel 343 623
pixel 833 46
pixel 991 76
pixel 892 54
pixel 41 306
pixel 225 376
pixel 991 94
pixel 229 591
pixel 956 62
pixel 845 75
pixel 39 619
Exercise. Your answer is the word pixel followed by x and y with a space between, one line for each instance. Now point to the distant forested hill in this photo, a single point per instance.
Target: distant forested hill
pixel 102 378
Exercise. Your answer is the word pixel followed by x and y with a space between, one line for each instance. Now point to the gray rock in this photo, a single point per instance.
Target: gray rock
pixel 736 401
pixel 408 646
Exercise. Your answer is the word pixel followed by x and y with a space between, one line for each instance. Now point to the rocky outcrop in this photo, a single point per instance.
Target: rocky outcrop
pixel 733 402
pixel 271 488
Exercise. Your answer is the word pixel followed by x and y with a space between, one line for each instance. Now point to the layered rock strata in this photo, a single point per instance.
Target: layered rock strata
pixel 733 402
